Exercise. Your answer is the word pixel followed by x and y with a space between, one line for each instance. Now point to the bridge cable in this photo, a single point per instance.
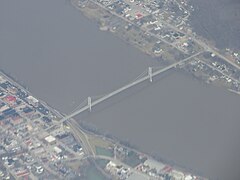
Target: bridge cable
pixel 79 106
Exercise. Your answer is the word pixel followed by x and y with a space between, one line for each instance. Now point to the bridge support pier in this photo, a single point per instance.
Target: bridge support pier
pixel 150 74
pixel 90 103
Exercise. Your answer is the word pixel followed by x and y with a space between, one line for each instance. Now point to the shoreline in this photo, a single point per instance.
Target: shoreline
pixel 94 131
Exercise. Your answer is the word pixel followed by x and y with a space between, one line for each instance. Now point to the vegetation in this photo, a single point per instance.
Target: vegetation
pixel 103 151
pixel 132 159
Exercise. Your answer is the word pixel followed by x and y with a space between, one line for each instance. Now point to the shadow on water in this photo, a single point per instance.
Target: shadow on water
pixel 123 96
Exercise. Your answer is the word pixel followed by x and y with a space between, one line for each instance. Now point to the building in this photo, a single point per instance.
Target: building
pixel 57 150
pixel 50 139
pixel 10 99
pixel 33 101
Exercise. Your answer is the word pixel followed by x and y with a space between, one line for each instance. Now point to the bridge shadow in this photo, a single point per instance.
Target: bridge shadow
pixel 123 96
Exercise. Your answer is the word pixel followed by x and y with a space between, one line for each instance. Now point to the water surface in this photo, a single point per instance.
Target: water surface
pixel 63 58
pixel 182 121
pixel 218 21
pixel 60 55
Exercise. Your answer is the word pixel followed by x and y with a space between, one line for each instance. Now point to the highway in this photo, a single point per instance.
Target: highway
pixel 134 83
pixel 81 136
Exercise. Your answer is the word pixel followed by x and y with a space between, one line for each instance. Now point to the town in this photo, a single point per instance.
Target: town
pixel 161 30
pixel 36 143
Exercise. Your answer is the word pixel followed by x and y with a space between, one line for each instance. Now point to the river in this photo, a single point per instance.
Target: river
pixel 180 120
pixel 60 55
pixel 218 21
pixel 62 58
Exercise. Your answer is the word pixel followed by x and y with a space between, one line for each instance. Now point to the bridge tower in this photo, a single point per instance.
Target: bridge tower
pixel 90 103
pixel 150 74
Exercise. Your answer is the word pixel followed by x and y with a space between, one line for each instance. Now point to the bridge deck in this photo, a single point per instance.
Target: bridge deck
pixel 138 81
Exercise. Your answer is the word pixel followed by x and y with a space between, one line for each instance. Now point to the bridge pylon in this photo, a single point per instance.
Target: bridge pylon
pixel 150 75
pixel 90 103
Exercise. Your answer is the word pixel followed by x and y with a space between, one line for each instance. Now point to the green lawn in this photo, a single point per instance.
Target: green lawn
pixel 132 159
pixel 102 163
pixel 94 174
pixel 103 151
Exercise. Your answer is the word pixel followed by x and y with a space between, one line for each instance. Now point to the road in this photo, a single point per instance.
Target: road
pixel 216 53
pixel 201 44
pixel 144 30
pixel 81 136
pixel 197 41
pixel 134 83
pixel 216 69
pixel 116 161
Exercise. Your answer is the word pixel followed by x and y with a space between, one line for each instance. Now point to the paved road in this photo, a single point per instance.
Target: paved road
pixel 144 30
pixel 197 41
pixel 214 68
pixel 116 161
pixel 81 136
pixel 94 103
